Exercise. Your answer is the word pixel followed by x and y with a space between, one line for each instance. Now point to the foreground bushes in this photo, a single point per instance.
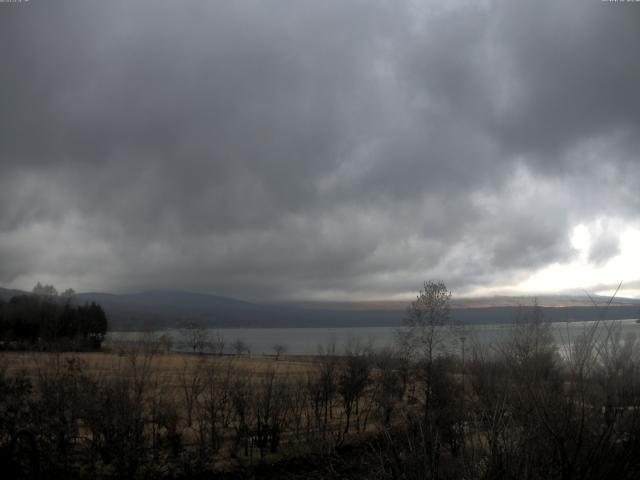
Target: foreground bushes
pixel 520 410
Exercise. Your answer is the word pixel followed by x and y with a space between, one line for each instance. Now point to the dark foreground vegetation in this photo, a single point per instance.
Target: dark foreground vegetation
pixel 438 406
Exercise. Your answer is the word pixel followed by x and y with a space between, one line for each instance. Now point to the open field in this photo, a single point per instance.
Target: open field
pixel 138 413
pixel 187 411
pixel 168 364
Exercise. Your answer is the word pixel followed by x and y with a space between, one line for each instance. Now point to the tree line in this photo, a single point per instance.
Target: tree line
pixel 438 406
pixel 46 320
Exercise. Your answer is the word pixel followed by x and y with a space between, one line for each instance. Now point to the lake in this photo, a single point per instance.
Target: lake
pixel 307 341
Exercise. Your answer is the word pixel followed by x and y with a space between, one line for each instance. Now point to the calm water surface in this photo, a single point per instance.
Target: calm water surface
pixel 308 340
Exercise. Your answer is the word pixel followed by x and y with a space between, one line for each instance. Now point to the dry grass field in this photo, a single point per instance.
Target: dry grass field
pixel 166 414
pixel 168 364
pixel 139 412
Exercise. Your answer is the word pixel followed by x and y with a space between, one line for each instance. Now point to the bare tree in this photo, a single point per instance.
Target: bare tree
pixel 45 290
pixel 240 347
pixel 196 337
pixel 191 380
pixel 165 342
pixel 531 337
pixel 426 329
pixel 218 343
pixel 389 384
pixel 352 381
pixel 269 409
pixel 322 387
pixel 425 332
pixel 424 326
pixel 215 407
pixel 69 295
pixel 279 349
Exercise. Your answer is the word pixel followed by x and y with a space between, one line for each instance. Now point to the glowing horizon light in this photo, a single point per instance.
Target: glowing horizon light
pixel 583 274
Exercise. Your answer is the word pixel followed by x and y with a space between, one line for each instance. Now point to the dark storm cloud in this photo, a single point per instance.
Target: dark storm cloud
pixel 309 149
pixel 579 77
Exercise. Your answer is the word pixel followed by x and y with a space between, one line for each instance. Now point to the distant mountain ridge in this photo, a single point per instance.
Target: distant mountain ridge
pixel 175 308
pixel 7 293
pixel 167 298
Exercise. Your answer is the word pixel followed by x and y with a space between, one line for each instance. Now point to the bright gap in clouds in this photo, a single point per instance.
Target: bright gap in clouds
pixel 584 274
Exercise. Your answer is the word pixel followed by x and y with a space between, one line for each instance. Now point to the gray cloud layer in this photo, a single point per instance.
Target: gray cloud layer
pixel 311 149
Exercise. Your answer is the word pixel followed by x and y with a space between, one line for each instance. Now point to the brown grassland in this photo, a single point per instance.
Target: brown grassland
pixel 517 410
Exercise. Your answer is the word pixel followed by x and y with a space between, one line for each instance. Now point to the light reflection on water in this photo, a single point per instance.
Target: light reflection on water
pixel 305 341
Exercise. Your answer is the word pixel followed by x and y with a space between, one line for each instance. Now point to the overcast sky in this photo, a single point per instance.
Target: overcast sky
pixel 326 149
